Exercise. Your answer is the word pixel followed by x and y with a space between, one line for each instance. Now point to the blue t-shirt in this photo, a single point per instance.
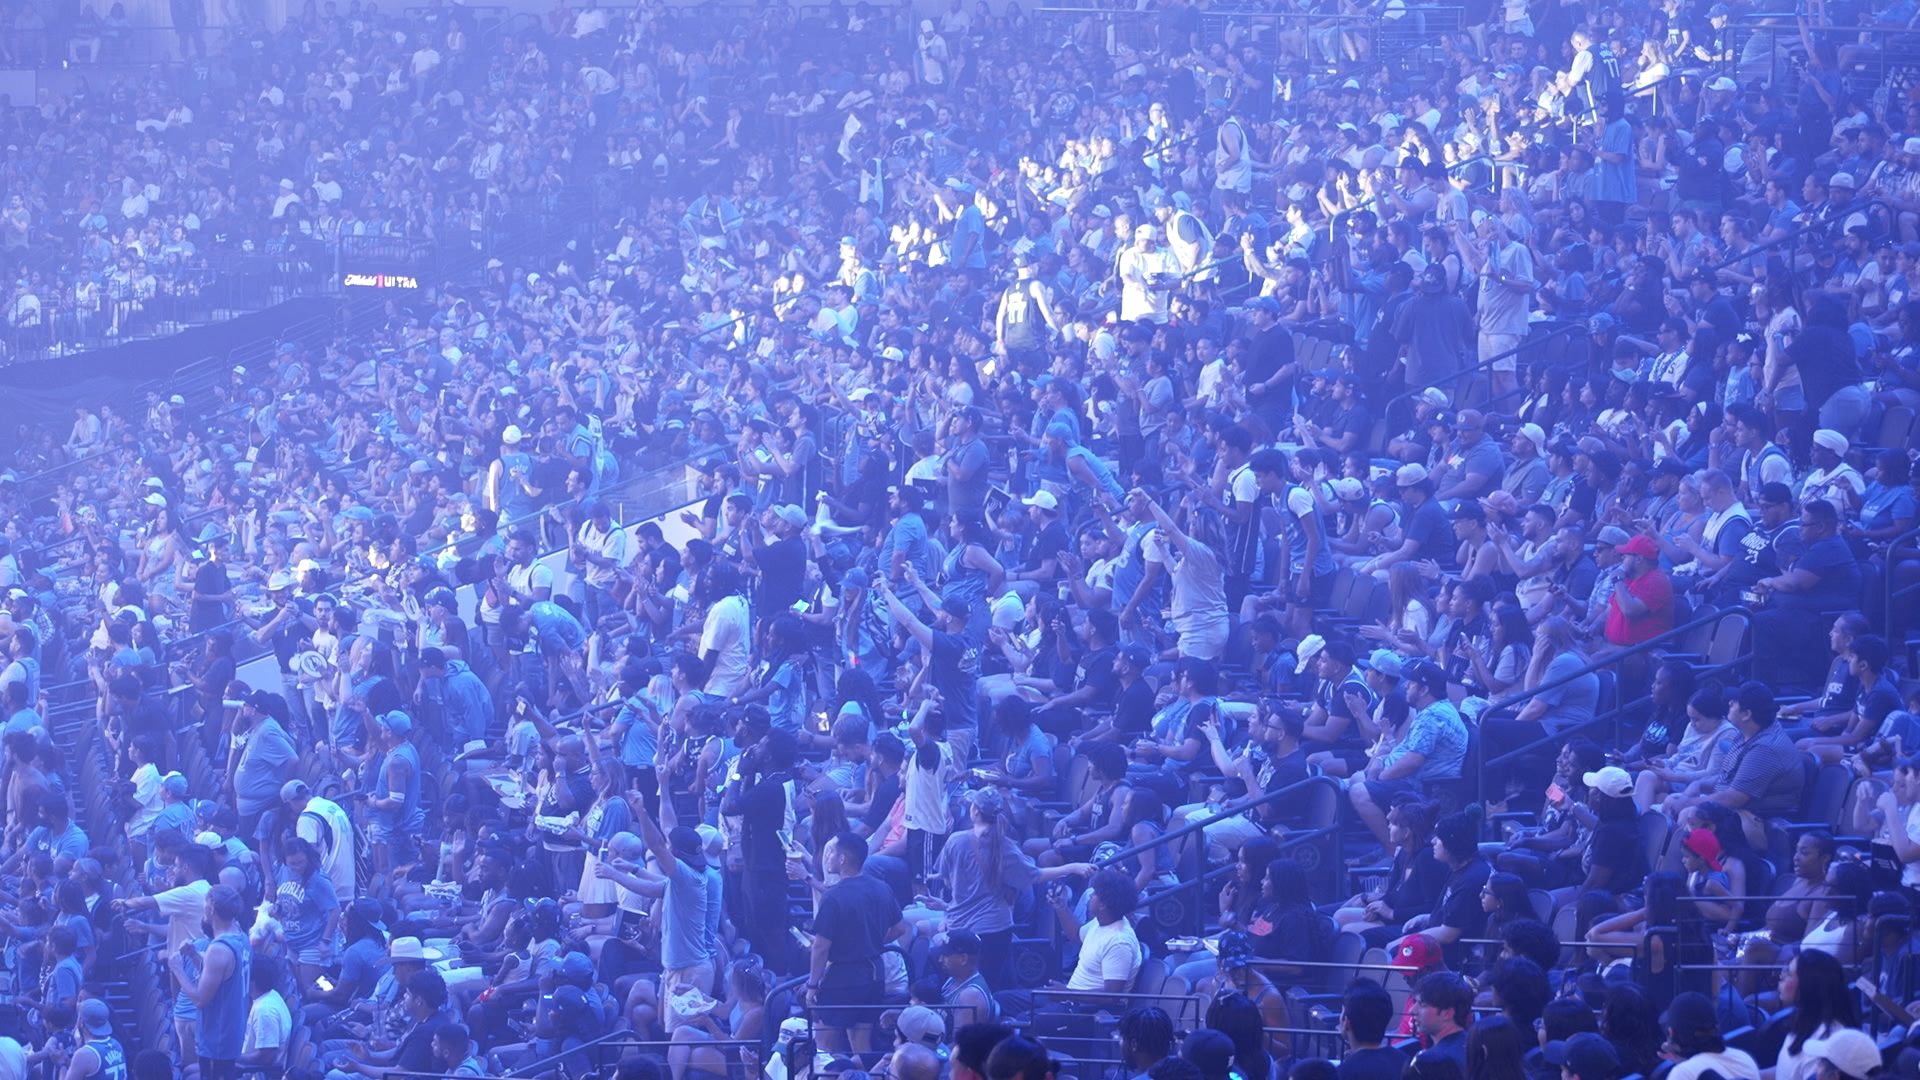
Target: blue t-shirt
pixel 640 747
pixel 1020 758
pixel 788 701
pixel 64 983
pixel 686 936
pixel 361 965
pixel 1831 561
pixel 303 906
pixel 909 536
pixel 1613 180
pixel 1885 504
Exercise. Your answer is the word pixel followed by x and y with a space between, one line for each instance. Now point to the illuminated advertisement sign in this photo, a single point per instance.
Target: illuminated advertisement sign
pixel 380 281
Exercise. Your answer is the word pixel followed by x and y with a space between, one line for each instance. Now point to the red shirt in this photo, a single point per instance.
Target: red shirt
pixel 1656 592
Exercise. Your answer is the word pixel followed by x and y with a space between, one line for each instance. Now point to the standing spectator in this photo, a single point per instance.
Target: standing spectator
pixel 857 917
pixel 214 977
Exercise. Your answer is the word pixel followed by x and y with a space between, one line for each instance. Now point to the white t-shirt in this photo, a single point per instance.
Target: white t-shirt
pixel 927 807
pixel 1801 1066
pixel 1108 952
pixel 1910 872
pixel 728 633
pixel 1730 1063
pixel 268 1023
pixel 13 1059
pixel 523 580
pixel 146 792
pixel 184 906
pixel 612 544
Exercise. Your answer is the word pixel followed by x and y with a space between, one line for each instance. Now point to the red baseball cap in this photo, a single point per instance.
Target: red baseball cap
pixel 1640 545
pixel 1416 952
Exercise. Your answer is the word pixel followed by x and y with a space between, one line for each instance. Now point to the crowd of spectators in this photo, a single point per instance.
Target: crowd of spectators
pixel 1224 547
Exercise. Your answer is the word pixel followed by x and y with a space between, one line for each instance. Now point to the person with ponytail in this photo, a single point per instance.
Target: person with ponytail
pixel 988 872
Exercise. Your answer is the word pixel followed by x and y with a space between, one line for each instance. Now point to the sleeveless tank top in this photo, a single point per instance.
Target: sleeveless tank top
pixel 113 1058
pixel 1102 477
pixel 223 1021
pixel 962 581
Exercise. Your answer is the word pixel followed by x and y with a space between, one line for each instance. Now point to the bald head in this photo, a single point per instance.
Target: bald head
pixel 915 1062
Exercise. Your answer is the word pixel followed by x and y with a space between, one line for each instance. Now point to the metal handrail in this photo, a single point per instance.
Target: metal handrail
pixel 1887 579
pixel 1613 715
pixel 1487 363
pixel 1825 224
pixel 1233 811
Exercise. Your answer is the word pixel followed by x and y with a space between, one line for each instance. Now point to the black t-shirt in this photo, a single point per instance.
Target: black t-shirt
pixel 885 794
pixel 1352 420
pixel 1459 906
pixel 416 1047
pixel 1272 350
pixel 1378 1063
pixel 1419 890
pixel 1582 498
pixel 1133 709
pixel 763 810
pixel 1616 845
pixel 209 580
pixel 1051 542
pixel 783 574
pixel 1430 528
pixel 1096 670
pixel 855 916
pixel 1874 705
pixel 955 670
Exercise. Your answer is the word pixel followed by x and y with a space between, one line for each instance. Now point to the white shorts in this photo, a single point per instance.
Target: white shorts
pixel 1495 344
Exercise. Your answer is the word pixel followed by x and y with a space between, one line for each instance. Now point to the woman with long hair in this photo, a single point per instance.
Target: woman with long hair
pixel 1629 1020
pixel 1413 884
pixel 970 572
pixel 1504 898
pixel 1695 751
pixel 1502 666
pixel 1411 613
pixel 1737 857
pixel 1665 893
pixel 1244 1016
pixel 1145 821
pixel 741 1017
pixel 1495 1050
pixel 608 817
pixel 307 907
pixel 1818 991
pixel 1242 890
pixel 988 872
pixel 1285 925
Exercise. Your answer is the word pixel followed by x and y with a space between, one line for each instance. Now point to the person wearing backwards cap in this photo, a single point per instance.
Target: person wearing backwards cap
pixel 510 491
pixel 1696 1046
pixel 1847 1054
pixel 965 987
pixel 1641 605
pixel 98 1053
